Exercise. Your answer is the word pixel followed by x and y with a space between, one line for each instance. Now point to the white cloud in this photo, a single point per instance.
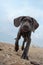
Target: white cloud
pixel 25 9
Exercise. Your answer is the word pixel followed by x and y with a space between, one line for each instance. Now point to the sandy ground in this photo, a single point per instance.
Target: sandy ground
pixel 9 57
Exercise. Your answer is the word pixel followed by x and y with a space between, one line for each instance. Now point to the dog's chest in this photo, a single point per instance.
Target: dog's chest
pixel 25 34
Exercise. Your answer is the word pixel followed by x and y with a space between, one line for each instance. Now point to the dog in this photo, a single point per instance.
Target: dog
pixel 27 26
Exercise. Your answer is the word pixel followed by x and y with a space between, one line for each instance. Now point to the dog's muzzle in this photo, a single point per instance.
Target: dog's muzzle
pixel 25 28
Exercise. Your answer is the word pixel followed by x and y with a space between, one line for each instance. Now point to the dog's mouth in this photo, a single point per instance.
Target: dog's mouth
pixel 25 29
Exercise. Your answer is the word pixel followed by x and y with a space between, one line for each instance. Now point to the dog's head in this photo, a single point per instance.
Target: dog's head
pixel 26 22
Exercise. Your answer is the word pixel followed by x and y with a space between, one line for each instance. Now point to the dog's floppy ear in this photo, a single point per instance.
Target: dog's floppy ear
pixel 18 21
pixel 35 24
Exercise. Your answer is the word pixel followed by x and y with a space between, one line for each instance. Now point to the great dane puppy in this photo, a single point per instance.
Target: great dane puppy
pixel 27 26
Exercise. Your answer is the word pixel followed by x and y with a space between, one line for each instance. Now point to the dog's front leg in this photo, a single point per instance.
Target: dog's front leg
pixel 25 53
pixel 17 40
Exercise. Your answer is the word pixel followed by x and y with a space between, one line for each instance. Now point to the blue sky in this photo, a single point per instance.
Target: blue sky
pixel 10 9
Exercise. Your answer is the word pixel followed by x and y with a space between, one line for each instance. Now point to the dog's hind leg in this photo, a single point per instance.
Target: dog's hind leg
pixel 23 44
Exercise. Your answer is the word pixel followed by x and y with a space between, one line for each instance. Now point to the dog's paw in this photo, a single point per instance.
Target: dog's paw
pixel 16 48
pixel 22 48
pixel 25 57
